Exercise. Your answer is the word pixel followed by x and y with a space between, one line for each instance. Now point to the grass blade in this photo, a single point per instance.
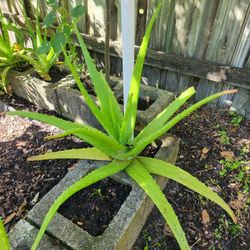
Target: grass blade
pixel 172 172
pixel 82 153
pixel 128 124
pixel 93 177
pixel 138 172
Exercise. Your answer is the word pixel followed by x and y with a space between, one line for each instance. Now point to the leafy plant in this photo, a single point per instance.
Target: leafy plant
pixel 224 139
pixel 236 119
pixel 9 52
pixel 45 52
pixel 4 242
pixel 119 146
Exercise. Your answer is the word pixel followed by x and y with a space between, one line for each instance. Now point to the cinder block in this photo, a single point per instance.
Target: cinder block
pixel 37 91
pixel 127 223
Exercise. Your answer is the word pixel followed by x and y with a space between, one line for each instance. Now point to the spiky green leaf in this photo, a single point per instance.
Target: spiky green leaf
pixel 4 242
pixel 82 153
pixel 102 89
pixel 172 172
pixel 128 124
pixel 164 116
pixel 143 142
pixel 91 135
pixel 137 171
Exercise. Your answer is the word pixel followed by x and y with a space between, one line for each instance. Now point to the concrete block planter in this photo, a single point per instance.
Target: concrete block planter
pixel 159 98
pixel 68 102
pixel 37 91
pixel 122 231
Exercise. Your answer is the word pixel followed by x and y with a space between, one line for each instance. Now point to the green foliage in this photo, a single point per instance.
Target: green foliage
pixel 9 53
pixel 118 145
pixel 236 119
pixel 45 52
pixel 4 242
pixel 240 170
pixel 224 139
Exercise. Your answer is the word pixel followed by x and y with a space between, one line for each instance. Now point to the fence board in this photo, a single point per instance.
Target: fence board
pixel 210 30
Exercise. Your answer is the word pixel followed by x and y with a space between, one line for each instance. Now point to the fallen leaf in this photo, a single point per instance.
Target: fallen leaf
pixel 205 150
pixel 35 199
pixel 167 231
pixel 227 154
pixel 205 217
pixel 22 208
pixel 80 223
pixel 9 218
pixel 239 203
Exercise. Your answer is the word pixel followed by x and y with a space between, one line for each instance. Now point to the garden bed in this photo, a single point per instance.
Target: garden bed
pixel 208 137
pixel 203 149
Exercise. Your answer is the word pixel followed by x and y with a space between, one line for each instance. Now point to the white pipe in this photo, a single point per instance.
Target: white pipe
pixel 128 42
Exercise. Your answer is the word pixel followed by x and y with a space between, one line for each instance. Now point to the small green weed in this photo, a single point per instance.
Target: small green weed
pixel 236 119
pixel 224 139
pixel 242 172
pixel 225 225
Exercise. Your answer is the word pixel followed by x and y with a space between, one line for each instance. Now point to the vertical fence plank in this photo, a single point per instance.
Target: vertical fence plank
pixel 226 30
pixel 96 13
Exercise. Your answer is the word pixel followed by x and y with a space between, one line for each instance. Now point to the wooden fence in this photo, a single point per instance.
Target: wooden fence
pixel 200 43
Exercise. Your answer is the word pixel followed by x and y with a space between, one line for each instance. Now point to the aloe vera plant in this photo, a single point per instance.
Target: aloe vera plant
pixel 9 52
pixel 118 144
pixel 45 52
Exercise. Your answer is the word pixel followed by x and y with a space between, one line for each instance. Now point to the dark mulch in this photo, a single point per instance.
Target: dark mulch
pixel 94 207
pixel 24 183
pixel 21 104
pixel 217 152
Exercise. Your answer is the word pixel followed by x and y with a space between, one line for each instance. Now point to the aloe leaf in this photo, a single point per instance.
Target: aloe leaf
pixel 162 118
pixel 49 19
pixel 143 142
pixel 102 89
pixel 91 135
pixel 139 173
pixel 172 172
pixel 83 154
pixel 94 109
pixel 96 138
pixel 4 242
pixel 93 177
pixel 128 124
pixel 49 119
pixel 78 11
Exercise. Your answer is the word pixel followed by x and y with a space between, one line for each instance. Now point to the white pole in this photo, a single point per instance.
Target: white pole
pixel 128 41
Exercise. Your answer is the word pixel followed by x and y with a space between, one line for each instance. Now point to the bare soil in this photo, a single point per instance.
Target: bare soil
pixel 221 160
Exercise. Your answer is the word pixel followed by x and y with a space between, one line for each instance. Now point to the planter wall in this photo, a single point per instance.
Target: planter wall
pixel 122 230
pixel 68 102
pixel 37 91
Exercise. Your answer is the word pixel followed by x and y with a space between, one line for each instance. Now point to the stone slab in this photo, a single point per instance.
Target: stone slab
pixel 72 103
pixel 5 107
pixel 127 223
pixel 23 235
pixel 37 91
